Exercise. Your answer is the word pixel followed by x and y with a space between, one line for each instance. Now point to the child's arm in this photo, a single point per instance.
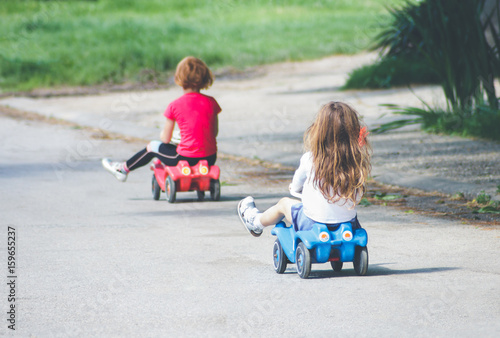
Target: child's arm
pixel 168 129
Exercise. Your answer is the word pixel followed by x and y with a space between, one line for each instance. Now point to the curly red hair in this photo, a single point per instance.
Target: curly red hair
pixel 193 73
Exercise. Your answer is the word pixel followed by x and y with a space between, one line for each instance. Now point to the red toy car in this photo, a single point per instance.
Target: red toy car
pixel 200 178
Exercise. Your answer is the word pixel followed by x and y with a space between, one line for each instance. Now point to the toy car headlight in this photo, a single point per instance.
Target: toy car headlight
pixel 186 171
pixel 324 236
pixel 203 170
pixel 347 235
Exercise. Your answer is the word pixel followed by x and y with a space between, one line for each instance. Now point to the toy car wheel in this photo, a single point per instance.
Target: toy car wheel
pixel 361 260
pixel 215 190
pixel 303 260
pixel 337 266
pixel 279 258
pixel 201 195
pixel 170 189
pixel 155 188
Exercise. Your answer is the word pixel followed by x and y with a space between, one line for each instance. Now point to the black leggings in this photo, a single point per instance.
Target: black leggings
pixel 166 153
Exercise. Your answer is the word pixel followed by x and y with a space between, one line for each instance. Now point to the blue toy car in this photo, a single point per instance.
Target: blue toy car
pixel 323 243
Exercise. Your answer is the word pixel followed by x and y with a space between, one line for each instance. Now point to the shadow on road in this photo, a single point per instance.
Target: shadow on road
pixel 190 197
pixel 373 270
pixel 377 270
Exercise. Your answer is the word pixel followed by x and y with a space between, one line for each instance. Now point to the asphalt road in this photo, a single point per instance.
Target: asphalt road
pixel 96 257
pixel 265 115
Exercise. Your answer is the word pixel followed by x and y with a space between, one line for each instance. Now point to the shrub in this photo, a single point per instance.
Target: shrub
pixel 451 37
pixel 484 121
pixel 391 71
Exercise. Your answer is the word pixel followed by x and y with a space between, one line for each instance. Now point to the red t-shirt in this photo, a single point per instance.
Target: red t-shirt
pixel 196 116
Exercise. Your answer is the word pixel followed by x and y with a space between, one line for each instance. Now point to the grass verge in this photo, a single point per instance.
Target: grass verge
pixel 55 43
pixel 391 72
pixel 481 121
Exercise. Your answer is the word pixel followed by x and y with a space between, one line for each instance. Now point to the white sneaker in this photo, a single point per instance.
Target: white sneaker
pixel 115 168
pixel 247 212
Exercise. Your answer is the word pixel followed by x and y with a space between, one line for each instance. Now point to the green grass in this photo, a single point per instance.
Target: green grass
pixel 391 72
pixel 54 43
pixel 481 121
pixel 448 41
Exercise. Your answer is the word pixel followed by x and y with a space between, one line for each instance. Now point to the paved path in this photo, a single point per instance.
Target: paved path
pixel 100 258
pixel 265 117
pixel 96 257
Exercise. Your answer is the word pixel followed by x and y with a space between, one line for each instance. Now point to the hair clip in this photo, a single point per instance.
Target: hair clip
pixel 363 133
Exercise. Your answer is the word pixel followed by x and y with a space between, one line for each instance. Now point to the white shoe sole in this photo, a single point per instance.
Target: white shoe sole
pixel 106 163
pixel 253 233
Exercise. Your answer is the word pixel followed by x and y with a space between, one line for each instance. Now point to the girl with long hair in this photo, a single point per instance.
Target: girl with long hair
pixel 331 176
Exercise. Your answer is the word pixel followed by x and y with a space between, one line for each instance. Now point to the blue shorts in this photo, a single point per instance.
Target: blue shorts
pixel 302 223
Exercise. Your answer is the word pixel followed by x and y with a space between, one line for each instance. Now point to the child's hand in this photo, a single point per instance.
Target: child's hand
pixel 363 133
pixel 176 137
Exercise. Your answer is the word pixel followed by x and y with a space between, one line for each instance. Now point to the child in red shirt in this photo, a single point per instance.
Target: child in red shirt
pixel 196 115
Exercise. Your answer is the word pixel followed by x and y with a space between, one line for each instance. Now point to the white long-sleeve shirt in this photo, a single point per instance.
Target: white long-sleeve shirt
pixel 316 206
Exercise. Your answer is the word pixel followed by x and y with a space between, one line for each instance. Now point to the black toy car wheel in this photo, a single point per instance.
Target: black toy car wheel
pixel 215 190
pixel 361 260
pixel 201 195
pixel 337 266
pixel 279 258
pixel 170 189
pixel 303 260
pixel 155 188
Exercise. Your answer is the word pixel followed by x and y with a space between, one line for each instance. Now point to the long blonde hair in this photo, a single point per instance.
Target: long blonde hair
pixel 341 157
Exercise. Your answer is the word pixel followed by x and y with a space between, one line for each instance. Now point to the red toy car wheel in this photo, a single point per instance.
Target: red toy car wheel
pixel 170 189
pixel 215 190
pixel 155 188
pixel 201 195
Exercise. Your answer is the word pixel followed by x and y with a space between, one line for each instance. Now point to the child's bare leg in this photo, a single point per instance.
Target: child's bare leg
pixel 276 213
pixel 255 221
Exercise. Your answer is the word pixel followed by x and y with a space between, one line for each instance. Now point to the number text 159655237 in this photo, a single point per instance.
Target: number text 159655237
pixel 11 277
